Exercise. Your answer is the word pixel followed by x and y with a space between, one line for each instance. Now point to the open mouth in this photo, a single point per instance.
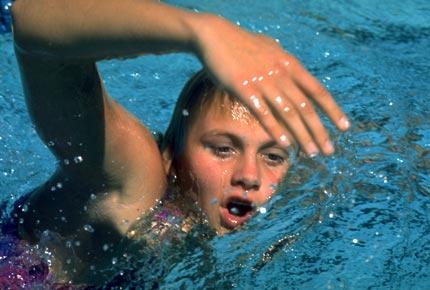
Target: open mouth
pixel 239 207
pixel 236 212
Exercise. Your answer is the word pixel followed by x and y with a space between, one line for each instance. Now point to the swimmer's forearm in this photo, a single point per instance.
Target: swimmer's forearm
pixel 90 29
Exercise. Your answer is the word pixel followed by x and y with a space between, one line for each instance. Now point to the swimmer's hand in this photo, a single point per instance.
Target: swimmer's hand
pixel 271 83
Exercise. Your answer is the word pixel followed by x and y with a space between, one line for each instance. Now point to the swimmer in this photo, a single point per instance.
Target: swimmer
pixel 224 150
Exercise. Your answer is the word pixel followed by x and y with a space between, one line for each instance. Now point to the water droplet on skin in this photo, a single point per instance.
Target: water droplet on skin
pixel 255 101
pixel 254 79
pixel 283 138
pixel 245 83
pixel 237 23
pixel 286 109
pixel 88 228
pixel 270 73
pixel 185 113
pixel 287 63
pixel 278 99
pixel 260 78
pixel 303 104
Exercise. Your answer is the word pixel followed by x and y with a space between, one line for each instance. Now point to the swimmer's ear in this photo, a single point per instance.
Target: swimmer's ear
pixel 167 159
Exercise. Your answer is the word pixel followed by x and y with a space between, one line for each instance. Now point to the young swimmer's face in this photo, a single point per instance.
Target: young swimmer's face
pixel 230 165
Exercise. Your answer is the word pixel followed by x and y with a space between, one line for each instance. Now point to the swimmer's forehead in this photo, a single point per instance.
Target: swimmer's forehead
pixel 223 105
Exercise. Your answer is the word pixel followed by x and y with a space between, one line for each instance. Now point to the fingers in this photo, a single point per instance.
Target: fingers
pixel 284 106
pixel 279 92
pixel 263 113
pixel 297 113
pixel 312 88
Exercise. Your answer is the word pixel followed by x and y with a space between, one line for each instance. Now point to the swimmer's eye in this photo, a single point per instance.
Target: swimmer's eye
pixel 273 159
pixel 222 151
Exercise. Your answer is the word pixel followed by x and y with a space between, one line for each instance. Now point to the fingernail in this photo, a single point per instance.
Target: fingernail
pixel 312 149
pixel 328 147
pixel 344 123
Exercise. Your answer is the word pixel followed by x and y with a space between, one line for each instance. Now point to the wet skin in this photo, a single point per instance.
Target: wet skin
pixel 228 160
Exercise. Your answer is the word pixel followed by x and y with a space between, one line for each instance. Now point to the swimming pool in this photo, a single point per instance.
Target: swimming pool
pixel 357 220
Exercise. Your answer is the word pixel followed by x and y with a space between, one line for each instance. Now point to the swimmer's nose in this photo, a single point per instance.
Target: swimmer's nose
pixel 247 174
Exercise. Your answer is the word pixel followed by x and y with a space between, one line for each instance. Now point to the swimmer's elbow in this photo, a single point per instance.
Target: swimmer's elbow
pixel 28 27
pixel 23 31
pixel 20 27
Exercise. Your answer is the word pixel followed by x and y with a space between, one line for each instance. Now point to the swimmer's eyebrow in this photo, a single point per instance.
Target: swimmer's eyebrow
pixel 236 140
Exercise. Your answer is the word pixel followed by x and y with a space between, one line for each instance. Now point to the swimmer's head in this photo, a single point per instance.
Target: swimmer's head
pixel 198 94
pixel 221 154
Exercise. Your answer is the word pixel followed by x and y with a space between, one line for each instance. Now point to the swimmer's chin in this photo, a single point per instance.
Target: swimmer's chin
pixel 221 230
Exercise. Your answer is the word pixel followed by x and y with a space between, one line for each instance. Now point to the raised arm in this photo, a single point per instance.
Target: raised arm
pixel 94 29
pixel 58 42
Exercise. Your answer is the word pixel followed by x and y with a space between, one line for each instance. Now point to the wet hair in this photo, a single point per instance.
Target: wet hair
pixel 198 94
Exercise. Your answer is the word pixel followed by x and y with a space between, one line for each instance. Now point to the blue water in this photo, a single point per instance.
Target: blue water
pixel 357 220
